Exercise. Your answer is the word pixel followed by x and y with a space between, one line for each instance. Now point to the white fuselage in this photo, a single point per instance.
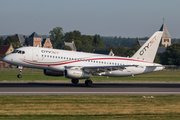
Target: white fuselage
pixel 58 60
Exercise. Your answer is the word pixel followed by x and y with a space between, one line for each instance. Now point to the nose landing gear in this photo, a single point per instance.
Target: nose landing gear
pixel 20 71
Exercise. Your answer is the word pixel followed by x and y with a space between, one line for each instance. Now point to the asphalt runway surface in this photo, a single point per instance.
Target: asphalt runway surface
pixel 67 88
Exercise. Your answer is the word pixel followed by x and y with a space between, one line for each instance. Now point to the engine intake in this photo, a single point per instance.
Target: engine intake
pixel 76 74
pixel 52 73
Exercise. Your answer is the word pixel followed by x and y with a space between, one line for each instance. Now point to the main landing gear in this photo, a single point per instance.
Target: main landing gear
pixel 75 81
pixel 88 82
pixel 20 72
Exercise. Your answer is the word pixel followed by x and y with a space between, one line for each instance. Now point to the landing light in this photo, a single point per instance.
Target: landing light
pixel 20 67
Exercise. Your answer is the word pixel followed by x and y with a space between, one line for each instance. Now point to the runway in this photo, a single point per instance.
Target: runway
pixel 67 88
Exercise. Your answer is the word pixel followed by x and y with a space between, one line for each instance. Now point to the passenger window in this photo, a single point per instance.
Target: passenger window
pixel 23 52
pixel 44 55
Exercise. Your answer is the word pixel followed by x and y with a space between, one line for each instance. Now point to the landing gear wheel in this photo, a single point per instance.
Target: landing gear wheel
pixel 20 72
pixel 88 83
pixel 75 81
pixel 19 76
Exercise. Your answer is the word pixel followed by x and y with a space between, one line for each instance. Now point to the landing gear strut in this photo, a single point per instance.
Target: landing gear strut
pixel 20 72
pixel 88 82
pixel 75 81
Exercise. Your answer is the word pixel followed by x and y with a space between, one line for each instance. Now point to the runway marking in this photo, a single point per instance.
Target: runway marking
pixel 89 92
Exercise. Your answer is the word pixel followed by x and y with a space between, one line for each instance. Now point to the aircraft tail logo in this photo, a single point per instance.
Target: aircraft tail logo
pixel 148 51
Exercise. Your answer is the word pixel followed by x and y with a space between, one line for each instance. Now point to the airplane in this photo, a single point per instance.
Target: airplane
pixel 80 65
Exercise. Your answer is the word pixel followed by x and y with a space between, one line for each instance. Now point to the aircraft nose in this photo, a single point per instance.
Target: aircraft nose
pixel 7 59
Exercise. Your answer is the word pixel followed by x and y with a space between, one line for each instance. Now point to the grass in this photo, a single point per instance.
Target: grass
pixel 37 75
pixel 88 107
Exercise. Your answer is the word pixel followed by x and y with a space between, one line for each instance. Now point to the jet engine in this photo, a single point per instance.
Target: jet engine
pixel 52 73
pixel 76 74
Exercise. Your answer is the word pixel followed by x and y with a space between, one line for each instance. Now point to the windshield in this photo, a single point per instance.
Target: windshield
pixel 15 51
pixel 19 52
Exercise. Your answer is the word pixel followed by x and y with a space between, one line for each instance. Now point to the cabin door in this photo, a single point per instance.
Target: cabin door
pixel 34 55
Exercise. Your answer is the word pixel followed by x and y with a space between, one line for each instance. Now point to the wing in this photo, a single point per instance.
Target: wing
pixel 98 69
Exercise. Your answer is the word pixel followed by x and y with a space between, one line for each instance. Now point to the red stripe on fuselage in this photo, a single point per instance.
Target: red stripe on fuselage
pixel 125 59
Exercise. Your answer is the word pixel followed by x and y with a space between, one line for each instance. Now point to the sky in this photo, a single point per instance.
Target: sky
pixel 125 18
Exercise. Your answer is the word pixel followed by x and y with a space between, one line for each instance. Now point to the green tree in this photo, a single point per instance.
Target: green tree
pixel 1 41
pixel 75 35
pixel 12 40
pixel 132 50
pixel 86 43
pixel 78 44
pixel 114 49
pixel 68 36
pixel 157 58
pixel 172 55
pixel 56 36
pixel 122 51
pixel 66 47
pixel 98 43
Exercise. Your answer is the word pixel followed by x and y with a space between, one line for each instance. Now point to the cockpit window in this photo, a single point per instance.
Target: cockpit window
pixel 19 52
pixel 15 51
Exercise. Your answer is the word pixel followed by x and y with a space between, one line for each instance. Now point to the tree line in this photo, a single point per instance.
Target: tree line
pixel 119 41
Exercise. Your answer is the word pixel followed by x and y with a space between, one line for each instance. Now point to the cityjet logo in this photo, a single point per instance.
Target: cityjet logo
pixel 50 52
pixel 147 46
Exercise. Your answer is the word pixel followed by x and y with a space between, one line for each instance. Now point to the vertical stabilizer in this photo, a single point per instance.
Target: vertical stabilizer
pixel 148 51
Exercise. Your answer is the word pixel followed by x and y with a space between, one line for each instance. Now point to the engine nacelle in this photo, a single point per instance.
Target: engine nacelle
pixel 52 73
pixel 76 74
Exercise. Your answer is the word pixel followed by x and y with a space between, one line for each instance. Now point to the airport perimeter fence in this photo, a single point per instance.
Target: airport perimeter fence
pixel 168 68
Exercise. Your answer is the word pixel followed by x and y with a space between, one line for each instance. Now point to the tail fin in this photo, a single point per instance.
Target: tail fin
pixel 148 51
